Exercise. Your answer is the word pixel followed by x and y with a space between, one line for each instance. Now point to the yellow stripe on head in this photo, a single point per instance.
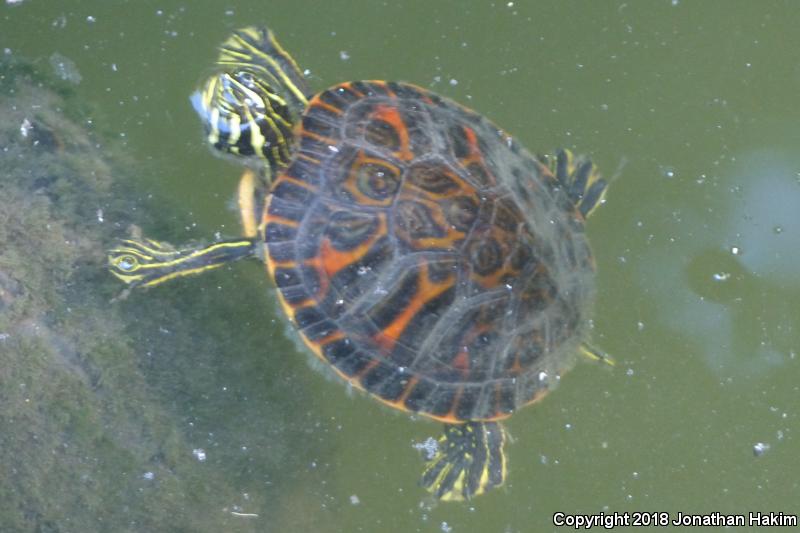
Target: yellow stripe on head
pixel 251 106
pixel 257 49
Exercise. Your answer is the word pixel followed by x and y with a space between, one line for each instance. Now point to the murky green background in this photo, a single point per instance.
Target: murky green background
pixel 692 106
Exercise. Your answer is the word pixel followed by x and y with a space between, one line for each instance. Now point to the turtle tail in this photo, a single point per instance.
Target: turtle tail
pixel 581 179
pixel 469 461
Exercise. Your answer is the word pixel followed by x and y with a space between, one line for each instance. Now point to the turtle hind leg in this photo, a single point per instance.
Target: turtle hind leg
pixel 469 461
pixel 581 179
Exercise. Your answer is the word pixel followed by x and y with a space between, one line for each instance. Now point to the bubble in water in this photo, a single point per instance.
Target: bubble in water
pixel 722 276
pixel 735 250
pixel 199 454
pixel 760 448
pixel 344 55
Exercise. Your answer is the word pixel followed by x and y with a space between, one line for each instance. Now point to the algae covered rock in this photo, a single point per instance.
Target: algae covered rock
pixel 143 415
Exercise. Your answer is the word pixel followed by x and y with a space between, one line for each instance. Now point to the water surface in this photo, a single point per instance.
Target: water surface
pixel 689 106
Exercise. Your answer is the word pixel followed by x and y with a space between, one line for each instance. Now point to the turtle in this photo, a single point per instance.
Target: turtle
pixel 421 252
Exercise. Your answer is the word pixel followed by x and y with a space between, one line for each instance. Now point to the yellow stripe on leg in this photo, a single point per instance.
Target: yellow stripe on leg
pixel 596 354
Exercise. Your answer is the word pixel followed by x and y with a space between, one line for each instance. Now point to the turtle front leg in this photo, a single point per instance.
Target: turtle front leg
pixel 146 262
pixel 469 461
pixel 250 197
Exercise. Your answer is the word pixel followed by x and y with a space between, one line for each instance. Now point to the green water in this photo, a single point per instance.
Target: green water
pixel 690 105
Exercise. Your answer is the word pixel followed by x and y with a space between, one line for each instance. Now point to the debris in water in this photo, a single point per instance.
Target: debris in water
pixel 65 68
pixel 25 128
pixel 760 448
pixel 429 447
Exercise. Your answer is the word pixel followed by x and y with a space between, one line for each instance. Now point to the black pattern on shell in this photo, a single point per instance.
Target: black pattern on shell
pixel 435 264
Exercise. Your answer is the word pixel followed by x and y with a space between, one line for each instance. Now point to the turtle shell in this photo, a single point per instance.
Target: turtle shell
pixel 425 255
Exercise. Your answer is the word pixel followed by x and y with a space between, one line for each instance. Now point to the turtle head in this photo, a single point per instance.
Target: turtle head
pixel 251 105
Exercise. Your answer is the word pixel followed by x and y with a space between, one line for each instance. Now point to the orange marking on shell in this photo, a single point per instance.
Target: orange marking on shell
pixel 450 240
pixel 369 366
pixel 493 280
pixel 451 414
pixel 333 260
pixel 515 369
pixel 316 102
pixel 385 87
pixel 427 291
pixel 349 85
pixel 301 155
pixel 330 260
pixel 398 404
pixel 276 219
pixel 472 140
pixel 498 393
pixel 351 183
pixel 475 155
pixel 496 278
pixel 324 280
pixel 391 115
pixel 412 382
pixel 461 361
pixel 318 137
pixel 292 179
pixel 308 302
pixel 335 336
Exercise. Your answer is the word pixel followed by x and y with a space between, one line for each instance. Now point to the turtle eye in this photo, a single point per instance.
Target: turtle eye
pixel 245 78
pixel 127 263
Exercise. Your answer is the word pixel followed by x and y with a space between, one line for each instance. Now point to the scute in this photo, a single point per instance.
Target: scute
pixel 437 264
